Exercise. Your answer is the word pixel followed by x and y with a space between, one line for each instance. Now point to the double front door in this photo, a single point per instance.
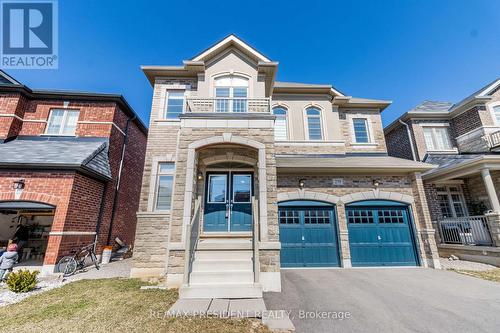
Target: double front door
pixel 228 202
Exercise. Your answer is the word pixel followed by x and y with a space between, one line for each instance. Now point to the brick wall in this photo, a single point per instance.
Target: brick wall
pixel 469 120
pixel 398 143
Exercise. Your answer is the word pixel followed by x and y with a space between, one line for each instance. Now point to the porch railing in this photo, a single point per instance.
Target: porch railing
pixel 470 230
pixel 494 139
pixel 192 235
pixel 224 105
pixel 256 238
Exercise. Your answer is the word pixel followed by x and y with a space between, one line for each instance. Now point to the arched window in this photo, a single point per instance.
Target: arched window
pixel 231 93
pixel 280 124
pixel 313 117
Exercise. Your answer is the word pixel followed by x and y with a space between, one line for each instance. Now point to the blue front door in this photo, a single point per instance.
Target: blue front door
pixel 308 235
pixel 380 234
pixel 228 202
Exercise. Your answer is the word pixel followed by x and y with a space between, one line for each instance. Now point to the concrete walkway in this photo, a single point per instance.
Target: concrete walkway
pixel 387 300
pixel 227 308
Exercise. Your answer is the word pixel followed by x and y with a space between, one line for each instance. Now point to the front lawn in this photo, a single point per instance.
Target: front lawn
pixel 109 305
pixel 491 275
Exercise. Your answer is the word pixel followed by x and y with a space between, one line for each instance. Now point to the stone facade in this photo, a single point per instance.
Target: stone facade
pixel 200 138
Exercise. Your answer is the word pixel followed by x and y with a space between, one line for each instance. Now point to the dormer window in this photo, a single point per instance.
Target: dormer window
pixel 231 94
pixel 62 122
pixel 437 138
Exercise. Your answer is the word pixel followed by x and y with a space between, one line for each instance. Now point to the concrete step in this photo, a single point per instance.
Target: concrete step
pixel 223 255
pixel 226 290
pixel 222 277
pixel 222 265
pixel 224 244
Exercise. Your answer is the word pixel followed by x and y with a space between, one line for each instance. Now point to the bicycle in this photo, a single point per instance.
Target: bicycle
pixel 68 265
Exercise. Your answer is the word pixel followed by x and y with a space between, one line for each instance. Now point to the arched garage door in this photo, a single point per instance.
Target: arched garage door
pixel 380 234
pixel 308 234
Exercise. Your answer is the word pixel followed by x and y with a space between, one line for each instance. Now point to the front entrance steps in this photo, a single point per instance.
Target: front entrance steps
pixel 222 268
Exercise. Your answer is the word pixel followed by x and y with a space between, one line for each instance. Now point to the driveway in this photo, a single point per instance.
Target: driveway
pixel 387 300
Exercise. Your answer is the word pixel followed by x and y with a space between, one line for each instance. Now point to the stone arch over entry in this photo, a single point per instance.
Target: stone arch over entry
pixel 190 176
pixel 229 157
pixel 307 195
pixel 376 194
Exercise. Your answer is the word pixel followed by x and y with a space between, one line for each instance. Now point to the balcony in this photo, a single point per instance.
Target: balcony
pixel 228 105
pixel 494 139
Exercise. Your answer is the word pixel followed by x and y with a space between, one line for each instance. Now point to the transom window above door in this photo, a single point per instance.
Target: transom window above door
pixel 437 138
pixel 231 93
pixel 62 122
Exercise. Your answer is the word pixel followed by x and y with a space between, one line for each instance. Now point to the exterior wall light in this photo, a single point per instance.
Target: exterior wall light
pixel 200 176
pixel 18 184
pixel 376 183
pixel 302 183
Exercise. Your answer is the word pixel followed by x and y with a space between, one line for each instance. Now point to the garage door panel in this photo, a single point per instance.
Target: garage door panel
pixel 308 237
pixel 380 236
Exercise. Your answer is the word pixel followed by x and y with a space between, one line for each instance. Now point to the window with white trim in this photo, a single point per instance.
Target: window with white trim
pixel 496 112
pixel 280 124
pixel 313 118
pixel 175 104
pixel 62 122
pixel 164 185
pixel 231 94
pixel 451 201
pixel 361 132
pixel 437 138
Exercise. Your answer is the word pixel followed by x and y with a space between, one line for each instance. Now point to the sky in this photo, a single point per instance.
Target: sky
pixel 403 51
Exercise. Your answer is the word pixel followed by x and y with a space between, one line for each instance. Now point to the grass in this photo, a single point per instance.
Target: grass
pixel 110 305
pixel 491 275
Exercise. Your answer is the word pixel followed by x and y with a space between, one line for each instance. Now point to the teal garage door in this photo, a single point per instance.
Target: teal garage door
pixel 308 234
pixel 380 234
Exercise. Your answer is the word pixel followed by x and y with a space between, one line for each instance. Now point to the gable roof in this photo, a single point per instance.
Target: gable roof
pixel 6 79
pixel 432 106
pixel 230 40
pixel 16 86
pixel 482 94
pixel 89 155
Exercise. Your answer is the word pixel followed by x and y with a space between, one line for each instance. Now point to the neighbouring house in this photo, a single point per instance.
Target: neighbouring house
pixel 463 139
pixel 245 176
pixel 71 167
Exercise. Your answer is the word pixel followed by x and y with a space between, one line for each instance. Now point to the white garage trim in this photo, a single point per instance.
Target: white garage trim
pixel 377 194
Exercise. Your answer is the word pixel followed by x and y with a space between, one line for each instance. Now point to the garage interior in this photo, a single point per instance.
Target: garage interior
pixel 37 218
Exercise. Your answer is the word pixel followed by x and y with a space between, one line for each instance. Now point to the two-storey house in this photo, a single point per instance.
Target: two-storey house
pixel 463 139
pixel 71 167
pixel 245 175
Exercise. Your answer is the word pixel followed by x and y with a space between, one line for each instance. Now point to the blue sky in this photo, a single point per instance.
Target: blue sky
pixel 404 51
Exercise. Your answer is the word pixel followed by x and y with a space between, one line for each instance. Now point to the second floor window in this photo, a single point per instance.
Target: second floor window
pixel 496 111
pixel 231 94
pixel 361 134
pixel 62 122
pixel 313 117
pixel 164 185
pixel 437 138
pixel 175 104
pixel 280 124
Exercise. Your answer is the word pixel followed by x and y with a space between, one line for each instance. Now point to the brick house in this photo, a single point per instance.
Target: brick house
pixel 245 175
pixel 70 169
pixel 463 140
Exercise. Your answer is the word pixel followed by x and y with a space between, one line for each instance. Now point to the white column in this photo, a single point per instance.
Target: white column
pixel 490 189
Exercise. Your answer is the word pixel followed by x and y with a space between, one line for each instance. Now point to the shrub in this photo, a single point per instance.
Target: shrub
pixel 22 281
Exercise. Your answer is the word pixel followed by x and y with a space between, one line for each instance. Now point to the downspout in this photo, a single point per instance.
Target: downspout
pixel 115 200
pixel 410 139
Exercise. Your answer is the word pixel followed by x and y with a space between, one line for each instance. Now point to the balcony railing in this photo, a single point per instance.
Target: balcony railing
pixel 494 139
pixel 470 230
pixel 234 105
